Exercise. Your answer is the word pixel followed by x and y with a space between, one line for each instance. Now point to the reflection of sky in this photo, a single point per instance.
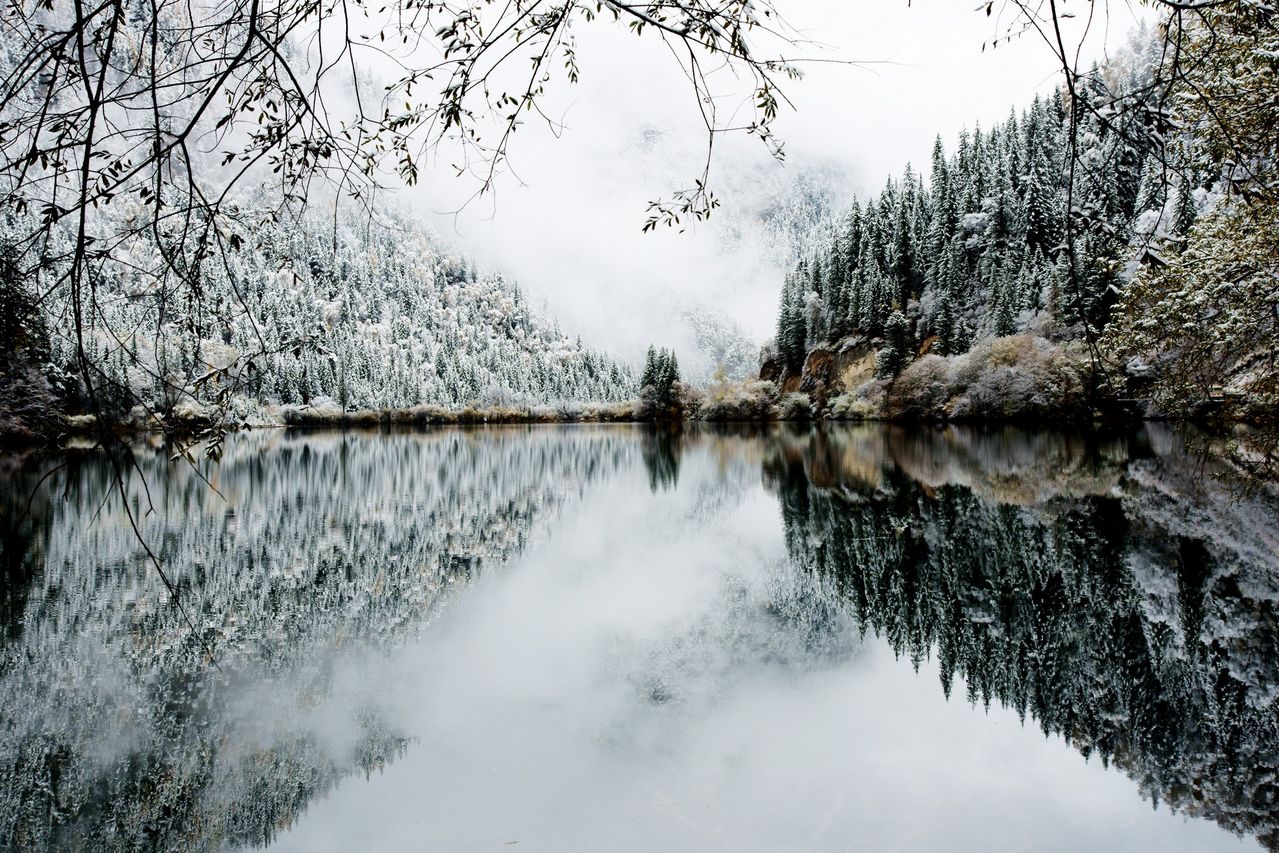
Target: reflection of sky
pixel 623 687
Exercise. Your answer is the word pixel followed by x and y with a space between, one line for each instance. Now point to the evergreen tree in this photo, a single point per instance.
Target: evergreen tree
pixel 21 322
pixel 1003 307
pixel 898 346
pixel 794 336
pixel 660 397
pixel 949 328
pixel 837 300
pixel 901 257
pixel 649 377
pixel 817 288
pixel 941 222
pixel 1038 207
pixel 1186 211
pixel 1151 194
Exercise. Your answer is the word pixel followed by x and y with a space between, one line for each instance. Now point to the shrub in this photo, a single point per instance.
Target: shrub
pixel 1017 377
pixel 921 391
pixel 794 407
pixel 751 400
pixel 850 407
pixel 612 412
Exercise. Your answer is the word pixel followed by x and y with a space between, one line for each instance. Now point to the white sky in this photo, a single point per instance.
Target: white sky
pixel 571 232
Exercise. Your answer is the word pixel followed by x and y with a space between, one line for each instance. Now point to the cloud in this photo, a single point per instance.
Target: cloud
pixel 565 219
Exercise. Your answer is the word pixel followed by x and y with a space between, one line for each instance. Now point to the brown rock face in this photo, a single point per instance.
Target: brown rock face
pixel 819 376
pixel 827 372
pixel 770 369
pixel 855 363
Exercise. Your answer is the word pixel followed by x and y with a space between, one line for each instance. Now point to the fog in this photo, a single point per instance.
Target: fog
pixel 565 217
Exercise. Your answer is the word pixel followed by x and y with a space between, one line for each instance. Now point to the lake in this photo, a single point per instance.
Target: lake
pixel 622 638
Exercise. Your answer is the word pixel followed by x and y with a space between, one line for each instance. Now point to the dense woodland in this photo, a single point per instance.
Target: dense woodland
pixel 360 314
pixel 1106 214
pixel 1113 239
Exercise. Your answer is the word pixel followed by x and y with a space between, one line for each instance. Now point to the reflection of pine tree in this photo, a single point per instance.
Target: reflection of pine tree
pixel 661 451
pixel 1039 611
pixel 323 540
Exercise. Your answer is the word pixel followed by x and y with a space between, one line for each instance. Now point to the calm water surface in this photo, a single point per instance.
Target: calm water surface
pixel 590 639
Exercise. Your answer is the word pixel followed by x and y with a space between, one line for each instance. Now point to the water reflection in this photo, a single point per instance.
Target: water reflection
pixel 1113 594
pixel 117 734
pixel 371 657
pixel 663 447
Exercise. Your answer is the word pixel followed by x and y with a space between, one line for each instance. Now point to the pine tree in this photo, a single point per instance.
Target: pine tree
pixel 1038 213
pixel 999 226
pixel 1002 308
pixel 817 289
pixel 852 241
pixel 837 299
pixel 949 329
pixel 795 333
pixel 941 221
pixel 671 376
pixel 901 264
pixel 898 346
pixel 1151 194
pixel 649 377
pixel 1186 211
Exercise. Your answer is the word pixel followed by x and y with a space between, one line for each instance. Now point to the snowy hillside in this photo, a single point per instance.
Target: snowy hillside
pixel 372 314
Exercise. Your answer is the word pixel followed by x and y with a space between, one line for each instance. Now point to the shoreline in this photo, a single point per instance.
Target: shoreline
pixel 78 428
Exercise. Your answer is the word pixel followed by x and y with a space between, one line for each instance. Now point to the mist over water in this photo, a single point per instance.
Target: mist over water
pixel 616 638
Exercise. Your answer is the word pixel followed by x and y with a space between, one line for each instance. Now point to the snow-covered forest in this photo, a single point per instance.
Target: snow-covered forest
pixel 1106 213
pixel 334 309
pixel 347 505
pixel 975 249
pixel 167 184
pixel 155 284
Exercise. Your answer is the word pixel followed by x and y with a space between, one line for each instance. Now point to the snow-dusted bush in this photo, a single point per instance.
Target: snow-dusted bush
pixel 794 406
pixel 921 391
pixel 1007 378
pixel 850 407
pixel 320 409
pixel 609 412
pixel 752 400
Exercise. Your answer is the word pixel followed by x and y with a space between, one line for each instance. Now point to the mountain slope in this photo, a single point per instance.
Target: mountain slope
pixel 980 249
pixel 372 315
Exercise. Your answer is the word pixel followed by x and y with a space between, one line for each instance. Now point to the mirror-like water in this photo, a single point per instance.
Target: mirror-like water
pixel 611 638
